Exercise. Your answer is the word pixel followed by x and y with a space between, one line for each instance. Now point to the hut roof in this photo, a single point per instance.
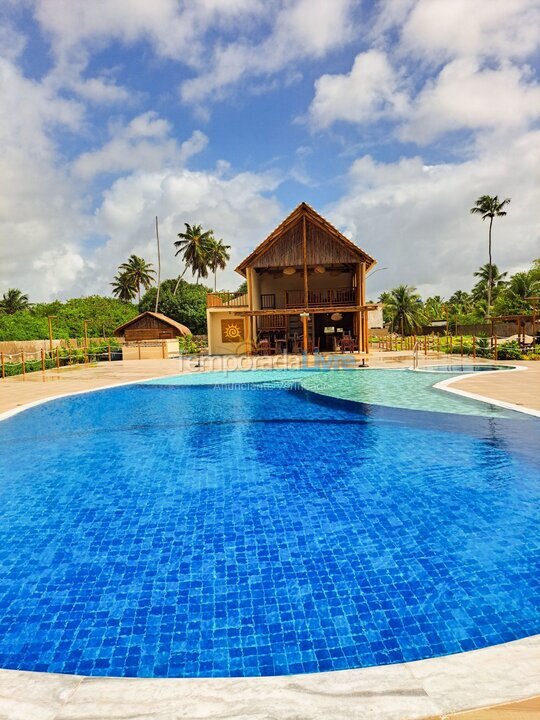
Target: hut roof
pixel 182 329
pixel 318 220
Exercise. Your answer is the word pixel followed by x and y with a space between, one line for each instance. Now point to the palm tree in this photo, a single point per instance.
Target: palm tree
pixel 490 207
pixel 461 302
pixel 434 308
pixel 194 244
pixel 13 301
pixel 488 275
pixel 218 257
pixel 522 285
pixel 124 287
pixel 139 271
pixel 404 307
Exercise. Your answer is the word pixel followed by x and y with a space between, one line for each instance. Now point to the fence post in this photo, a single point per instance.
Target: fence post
pixel 425 344
pixel 461 345
pixel 2 362
pixel 451 343
pixel 22 363
pixel 109 351
pixel 42 360
pixel 494 347
pixel 474 347
pixel 57 357
pixel 139 350
pixel 163 350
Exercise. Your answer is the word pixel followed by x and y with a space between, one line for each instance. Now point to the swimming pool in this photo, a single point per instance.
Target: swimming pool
pixel 240 527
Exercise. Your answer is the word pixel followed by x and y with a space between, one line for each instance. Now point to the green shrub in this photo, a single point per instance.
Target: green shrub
pixel 509 351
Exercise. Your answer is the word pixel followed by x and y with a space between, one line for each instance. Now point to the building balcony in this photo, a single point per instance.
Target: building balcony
pixel 227 299
pixel 321 298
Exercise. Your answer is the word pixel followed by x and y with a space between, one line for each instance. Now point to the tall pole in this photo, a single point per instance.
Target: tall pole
pixel 85 324
pixel 50 318
pixel 158 266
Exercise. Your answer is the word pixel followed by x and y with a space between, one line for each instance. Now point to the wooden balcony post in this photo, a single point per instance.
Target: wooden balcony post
pixel 305 333
pixel 304 253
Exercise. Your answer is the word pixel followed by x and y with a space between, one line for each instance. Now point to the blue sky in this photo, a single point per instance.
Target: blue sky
pixel 389 117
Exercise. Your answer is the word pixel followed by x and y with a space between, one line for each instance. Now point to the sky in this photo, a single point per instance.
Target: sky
pixel 389 117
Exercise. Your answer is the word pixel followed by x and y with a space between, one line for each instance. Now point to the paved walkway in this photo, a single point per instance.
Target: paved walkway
pixel 435 689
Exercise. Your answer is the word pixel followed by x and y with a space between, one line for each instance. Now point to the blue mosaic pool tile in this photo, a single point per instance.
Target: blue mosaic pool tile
pixel 178 531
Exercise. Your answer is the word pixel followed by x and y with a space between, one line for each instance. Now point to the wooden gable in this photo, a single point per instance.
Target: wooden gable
pixel 325 245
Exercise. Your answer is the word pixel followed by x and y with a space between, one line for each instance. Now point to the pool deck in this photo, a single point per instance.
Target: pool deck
pixel 439 688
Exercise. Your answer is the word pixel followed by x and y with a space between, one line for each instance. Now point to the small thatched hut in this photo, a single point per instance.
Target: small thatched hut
pixel 151 326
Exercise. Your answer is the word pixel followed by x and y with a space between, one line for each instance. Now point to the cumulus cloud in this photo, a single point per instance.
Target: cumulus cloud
pixel 39 205
pixel 173 29
pixel 445 29
pixel 302 29
pixel 236 206
pixel 414 218
pixel 143 144
pixel 371 90
pixel 466 96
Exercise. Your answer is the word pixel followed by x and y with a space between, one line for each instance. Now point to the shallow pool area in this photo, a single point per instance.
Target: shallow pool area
pixel 265 524
pixel 462 368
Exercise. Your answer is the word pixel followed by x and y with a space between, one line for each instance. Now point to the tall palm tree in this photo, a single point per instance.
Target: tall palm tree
pixel 13 301
pixel 140 272
pixel 218 256
pixel 404 306
pixel 124 287
pixel 489 206
pixel 194 244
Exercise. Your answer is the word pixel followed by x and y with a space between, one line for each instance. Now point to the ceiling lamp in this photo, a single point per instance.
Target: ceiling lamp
pixel 320 269
pixel 336 317
pixel 289 270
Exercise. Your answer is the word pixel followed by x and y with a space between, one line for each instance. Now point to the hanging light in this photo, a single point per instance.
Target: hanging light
pixel 320 269
pixel 289 270
pixel 336 317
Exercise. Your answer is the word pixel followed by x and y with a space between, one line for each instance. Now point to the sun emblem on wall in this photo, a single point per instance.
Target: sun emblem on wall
pixel 232 331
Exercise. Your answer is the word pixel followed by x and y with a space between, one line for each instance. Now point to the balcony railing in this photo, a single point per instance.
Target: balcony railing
pixel 227 299
pixel 321 298
pixel 271 322
pixel 268 301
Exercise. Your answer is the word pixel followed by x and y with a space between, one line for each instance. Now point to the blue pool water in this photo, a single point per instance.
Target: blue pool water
pixel 175 530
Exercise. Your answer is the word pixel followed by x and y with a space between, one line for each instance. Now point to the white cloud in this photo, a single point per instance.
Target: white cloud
pixel 372 89
pixel 465 96
pixel 143 144
pixel 301 29
pixel 40 209
pixel 235 207
pixel 415 218
pixel 446 29
pixel 173 29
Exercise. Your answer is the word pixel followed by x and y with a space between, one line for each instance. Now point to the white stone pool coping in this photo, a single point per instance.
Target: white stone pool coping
pixel 427 688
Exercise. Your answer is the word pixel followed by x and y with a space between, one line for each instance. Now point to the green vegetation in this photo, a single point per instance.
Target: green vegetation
pixel 186 306
pixel 103 316
pixel 509 297
pixel 13 301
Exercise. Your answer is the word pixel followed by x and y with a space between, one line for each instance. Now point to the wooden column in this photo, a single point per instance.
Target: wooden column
pixel 247 333
pixel 304 255
pixel 364 319
pixel 249 328
pixel 304 334
pixel 358 324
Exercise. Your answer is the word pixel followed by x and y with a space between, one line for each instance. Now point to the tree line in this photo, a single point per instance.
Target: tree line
pixel 201 253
